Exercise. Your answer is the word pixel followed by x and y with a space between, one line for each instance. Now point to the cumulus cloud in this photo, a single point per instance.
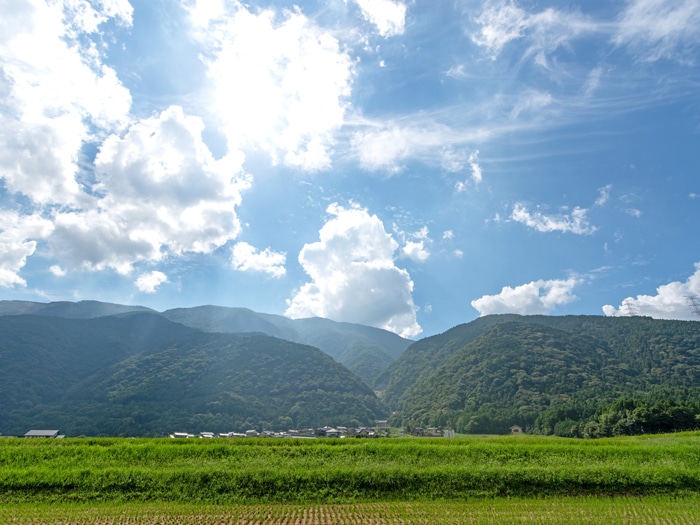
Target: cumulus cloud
pixel 388 16
pixel 414 244
pixel 536 297
pixel 670 302
pixel 575 222
pixel 17 242
pixel 282 86
pixel 149 282
pixel 658 29
pixel 353 275
pixel 56 94
pixel 159 191
pixel 415 250
pixel 245 257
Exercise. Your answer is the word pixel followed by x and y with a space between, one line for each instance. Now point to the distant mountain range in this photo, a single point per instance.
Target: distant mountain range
pixel 96 368
pixel 364 350
pixel 138 373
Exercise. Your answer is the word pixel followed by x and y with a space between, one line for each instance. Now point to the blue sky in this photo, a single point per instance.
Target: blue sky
pixel 402 164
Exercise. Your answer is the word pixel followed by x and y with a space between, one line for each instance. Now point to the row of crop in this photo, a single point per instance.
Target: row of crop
pixel 311 454
pixel 339 485
pixel 641 511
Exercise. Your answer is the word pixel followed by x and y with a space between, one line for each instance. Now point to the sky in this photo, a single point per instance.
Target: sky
pixel 403 164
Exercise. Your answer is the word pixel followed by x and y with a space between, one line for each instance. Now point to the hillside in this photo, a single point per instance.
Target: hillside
pixel 505 370
pixel 140 374
pixel 364 350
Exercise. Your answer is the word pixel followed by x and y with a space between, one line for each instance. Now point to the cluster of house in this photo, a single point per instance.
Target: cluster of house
pixel 432 432
pixel 336 432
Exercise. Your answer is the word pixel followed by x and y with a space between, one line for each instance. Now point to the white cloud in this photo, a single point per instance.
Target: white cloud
pixel 245 257
pixel 660 28
pixel 388 16
pixel 575 222
pixel 532 103
pixel 280 86
pixel 448 235
pixel 159 191
pixel 634 212
pixel 57 271
pixel 17 234
pixel 536 297
pixel 670 302
pixel 149 282
pixel 603 195
pixel 416 251
pixel 386 145
pixel 502 22
pixel 56 94
pixel 353 275
pixel 477 175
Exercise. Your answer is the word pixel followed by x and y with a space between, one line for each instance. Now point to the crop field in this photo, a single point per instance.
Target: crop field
pixel 512 479
pixel 609 511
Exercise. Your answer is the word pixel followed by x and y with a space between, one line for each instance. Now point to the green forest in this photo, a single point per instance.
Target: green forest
pixel 578 376
pixel 99 369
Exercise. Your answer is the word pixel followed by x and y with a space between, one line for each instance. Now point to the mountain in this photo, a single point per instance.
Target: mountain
pixel 69 310
pixel 365 350
pixel 141 374
pixel 425 356
pixel 502 370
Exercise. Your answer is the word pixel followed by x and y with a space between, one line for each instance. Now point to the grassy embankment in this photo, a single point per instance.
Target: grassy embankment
pixel 247 471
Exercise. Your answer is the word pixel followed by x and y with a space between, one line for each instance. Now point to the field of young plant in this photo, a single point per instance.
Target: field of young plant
pixel 550 511
pixel 513 479
pixel 218 471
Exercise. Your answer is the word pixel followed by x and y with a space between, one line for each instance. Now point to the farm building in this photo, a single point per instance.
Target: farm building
pixel 43 434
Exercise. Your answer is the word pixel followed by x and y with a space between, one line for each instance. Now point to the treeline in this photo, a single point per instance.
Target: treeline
pixel 626 416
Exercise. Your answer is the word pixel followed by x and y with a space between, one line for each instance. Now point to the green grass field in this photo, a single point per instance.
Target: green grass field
pixel 513 479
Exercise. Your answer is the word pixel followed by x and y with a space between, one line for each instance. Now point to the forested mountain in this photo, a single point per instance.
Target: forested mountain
pixel 141 374
pixel 364 350
pixel 536 371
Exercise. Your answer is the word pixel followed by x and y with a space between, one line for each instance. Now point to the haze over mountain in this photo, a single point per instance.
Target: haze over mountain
pixel 106 369
pixel 364 350
pixel 140 374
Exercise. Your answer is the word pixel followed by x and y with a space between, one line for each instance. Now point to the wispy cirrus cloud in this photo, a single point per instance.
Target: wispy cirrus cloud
pixel 656 29
pixel 502 22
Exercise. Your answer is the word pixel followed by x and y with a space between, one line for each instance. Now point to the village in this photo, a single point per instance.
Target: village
pixel 381 430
